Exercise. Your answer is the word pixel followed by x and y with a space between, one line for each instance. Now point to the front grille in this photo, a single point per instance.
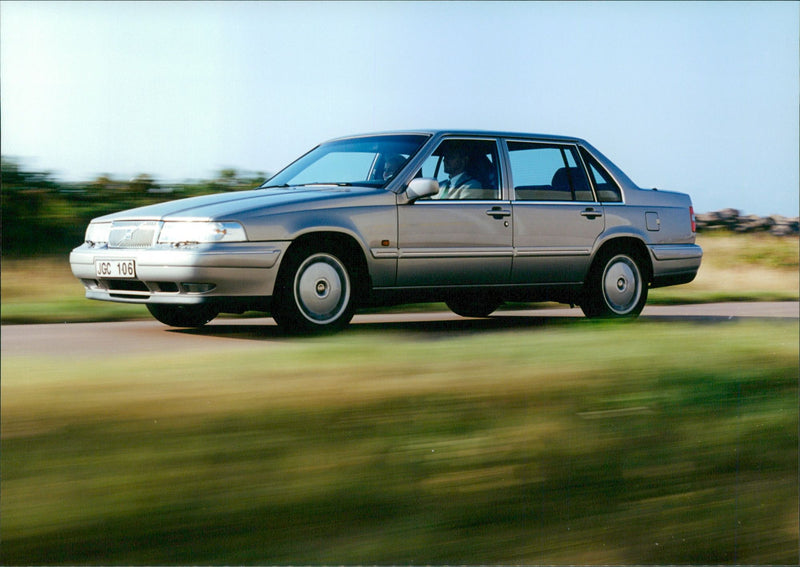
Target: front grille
pixel 133 234
pixel 138 287
pixel 127 285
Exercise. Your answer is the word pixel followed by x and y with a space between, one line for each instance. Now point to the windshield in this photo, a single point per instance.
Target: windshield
pixel 372 161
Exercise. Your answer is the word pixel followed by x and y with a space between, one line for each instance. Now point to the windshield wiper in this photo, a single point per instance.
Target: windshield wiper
pixel 315 184
pixel 321 184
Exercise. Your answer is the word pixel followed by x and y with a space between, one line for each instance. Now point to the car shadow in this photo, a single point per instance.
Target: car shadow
pixel 265 329
pixel 426 328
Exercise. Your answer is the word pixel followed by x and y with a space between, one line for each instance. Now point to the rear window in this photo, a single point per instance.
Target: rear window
pixel 607 190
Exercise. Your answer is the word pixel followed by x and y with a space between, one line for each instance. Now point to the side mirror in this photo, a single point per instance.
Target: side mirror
pixel 420 187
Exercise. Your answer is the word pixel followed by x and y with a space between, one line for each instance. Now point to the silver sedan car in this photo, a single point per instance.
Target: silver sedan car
pixel 471 218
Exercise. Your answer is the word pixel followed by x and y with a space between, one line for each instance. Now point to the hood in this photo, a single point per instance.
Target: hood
pixel 227 206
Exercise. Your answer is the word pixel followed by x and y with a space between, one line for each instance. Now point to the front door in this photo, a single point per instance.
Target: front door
pixel 454 243
pixel 463 235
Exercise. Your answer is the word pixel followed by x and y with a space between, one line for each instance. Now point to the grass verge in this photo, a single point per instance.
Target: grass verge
pixel 735 268
pixel 590 443
pixel 740 267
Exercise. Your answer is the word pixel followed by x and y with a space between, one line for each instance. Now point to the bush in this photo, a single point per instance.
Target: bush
pixel 41 215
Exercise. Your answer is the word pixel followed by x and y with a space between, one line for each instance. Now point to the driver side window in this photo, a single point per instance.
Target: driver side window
pixel 465 169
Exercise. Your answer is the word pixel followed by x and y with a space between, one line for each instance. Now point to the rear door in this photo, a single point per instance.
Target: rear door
pixel 556 216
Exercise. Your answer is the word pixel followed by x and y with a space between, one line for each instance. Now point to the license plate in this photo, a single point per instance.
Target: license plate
pixel 115 268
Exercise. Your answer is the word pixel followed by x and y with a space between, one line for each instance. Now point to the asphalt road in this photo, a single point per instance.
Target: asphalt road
pixel 79 339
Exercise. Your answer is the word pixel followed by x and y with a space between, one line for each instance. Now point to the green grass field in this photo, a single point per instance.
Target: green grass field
pixel 735 268
pixel 581 443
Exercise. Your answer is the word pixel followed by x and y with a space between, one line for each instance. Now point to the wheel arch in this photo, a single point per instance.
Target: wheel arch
pixel 346 246
pixel 631 245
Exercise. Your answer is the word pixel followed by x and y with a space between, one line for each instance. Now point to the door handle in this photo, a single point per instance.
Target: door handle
pixel 590 213
pixel 498 212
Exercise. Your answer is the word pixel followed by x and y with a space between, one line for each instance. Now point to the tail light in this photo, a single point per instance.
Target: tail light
pixel 691 218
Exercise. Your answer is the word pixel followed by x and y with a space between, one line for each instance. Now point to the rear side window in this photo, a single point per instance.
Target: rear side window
pixel 607 190
pixel 547 172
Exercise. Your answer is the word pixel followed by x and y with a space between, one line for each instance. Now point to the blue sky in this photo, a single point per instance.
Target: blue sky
pixel 697 97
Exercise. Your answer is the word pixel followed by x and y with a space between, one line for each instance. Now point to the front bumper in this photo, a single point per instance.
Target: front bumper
pixel 188 275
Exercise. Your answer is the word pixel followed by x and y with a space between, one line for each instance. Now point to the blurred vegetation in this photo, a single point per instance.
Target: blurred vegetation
pixel 585 443
pixel 43 219
pixel 740 267
pixel 42 215
pixel 42 289
pixel 756 250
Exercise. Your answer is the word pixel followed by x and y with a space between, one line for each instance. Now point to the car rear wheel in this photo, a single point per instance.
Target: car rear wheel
pixel 473 304
pixel 616 286
pixel 183 315
pixel 315 293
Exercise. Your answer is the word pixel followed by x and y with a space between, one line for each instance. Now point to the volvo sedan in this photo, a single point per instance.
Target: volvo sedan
pixel 470 218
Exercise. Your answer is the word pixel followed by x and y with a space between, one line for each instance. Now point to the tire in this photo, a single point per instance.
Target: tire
pixel 314 294
pixel 473 304
pixel 183 315
pixel 616 287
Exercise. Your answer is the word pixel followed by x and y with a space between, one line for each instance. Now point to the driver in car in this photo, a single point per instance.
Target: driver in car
pixel 460 184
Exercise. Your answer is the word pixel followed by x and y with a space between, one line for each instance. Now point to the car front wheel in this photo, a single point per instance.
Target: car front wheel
pixel 315 293
pixel 616 287
pixel 183 315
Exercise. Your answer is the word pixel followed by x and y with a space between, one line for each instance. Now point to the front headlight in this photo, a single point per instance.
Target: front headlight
pixel 97 233
pixel 187 232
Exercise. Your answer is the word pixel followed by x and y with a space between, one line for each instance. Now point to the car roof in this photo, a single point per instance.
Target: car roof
pixel 460 132
pixel 438 134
